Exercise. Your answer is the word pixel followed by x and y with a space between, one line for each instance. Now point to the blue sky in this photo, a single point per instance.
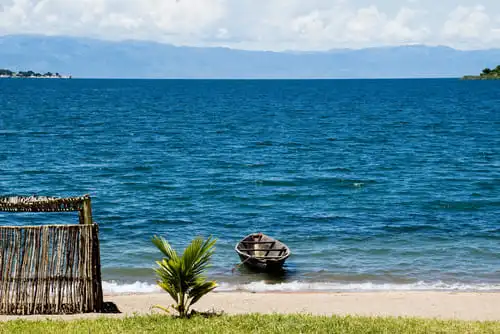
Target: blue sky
pixel 264 24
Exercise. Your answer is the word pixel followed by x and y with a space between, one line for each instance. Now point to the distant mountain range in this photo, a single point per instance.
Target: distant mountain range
pixel 93 58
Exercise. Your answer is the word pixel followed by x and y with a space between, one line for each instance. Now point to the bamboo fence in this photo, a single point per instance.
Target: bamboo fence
pixel 50 269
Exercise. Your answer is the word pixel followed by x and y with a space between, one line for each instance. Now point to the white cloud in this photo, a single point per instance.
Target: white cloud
pixel 307 27
pixel 261 24
pixel 369 24
pixel 471 25
pixel 183 20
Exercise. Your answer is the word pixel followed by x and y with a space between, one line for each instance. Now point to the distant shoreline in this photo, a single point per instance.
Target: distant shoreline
pixel 35 77
pixel 9 74
pixel 486 74
pixel 478 77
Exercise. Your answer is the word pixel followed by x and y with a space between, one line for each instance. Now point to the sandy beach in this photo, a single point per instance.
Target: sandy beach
pixel 442 305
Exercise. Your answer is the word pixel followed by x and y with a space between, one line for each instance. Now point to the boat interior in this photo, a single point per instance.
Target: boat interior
pixel 262 247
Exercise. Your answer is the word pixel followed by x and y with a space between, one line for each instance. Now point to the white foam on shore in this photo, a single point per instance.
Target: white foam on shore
pixel 113 288
pixel 142 287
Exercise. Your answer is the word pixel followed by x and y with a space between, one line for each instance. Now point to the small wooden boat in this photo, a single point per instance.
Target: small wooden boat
pixel 261 252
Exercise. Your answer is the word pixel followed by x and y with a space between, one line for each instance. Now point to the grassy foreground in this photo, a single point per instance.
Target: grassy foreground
pixel 250 324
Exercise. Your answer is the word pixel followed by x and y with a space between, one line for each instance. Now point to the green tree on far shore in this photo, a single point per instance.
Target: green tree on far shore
pixel 486 71
pixel 6 72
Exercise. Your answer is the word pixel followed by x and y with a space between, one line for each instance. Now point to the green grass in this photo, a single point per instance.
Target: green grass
pixel 250 324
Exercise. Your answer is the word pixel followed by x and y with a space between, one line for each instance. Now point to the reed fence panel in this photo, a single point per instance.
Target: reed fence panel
pixel 50 269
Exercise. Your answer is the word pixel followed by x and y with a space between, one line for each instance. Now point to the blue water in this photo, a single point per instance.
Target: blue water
pixel 372 183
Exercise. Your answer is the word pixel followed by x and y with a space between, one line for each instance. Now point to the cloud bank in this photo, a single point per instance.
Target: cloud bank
pixel 263 24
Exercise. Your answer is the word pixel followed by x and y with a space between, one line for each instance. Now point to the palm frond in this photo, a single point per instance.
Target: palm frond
pixel 164 309
pixel 165 248
pixel 201 290
pixel 203 255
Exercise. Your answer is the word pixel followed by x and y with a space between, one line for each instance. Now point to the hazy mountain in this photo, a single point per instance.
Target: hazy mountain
pixel 84 57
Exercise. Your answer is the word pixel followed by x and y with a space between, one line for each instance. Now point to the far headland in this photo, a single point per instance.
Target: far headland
pixel 5 73
pixel 487 74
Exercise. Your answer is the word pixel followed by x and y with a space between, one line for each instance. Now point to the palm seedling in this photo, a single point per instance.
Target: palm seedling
pixel 182 277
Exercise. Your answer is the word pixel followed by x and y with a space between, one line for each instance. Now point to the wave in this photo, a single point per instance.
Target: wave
pixel 462 205
pixel 114 288
pixel 413 228
pixel 262 286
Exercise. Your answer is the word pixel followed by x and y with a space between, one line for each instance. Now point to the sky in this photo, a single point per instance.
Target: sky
pixel 277 25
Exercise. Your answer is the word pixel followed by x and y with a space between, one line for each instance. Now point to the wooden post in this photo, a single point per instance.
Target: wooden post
pixel 96 269
pixel 86 213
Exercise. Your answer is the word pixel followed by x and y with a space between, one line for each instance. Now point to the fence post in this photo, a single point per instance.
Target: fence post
pixel 86 217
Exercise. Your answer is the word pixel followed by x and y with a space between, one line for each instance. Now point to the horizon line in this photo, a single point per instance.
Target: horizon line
pixel 242 78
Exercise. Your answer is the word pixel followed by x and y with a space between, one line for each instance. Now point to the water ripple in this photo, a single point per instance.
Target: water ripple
pixel 394 182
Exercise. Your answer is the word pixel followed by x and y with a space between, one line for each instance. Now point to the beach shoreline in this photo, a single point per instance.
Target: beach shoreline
pixel 482 306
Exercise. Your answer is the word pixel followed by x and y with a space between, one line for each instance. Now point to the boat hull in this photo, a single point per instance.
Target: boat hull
pixel 260 252
pixel 259 265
